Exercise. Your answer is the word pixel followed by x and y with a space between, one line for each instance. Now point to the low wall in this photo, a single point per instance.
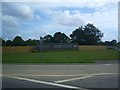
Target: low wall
pixel 92 47
pixel 16 49
pixel 24 49
pixel 57 46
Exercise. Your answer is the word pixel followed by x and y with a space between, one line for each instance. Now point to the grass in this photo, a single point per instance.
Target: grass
pixel 74 56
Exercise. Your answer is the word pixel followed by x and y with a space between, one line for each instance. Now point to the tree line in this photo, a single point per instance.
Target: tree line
pixel 84 35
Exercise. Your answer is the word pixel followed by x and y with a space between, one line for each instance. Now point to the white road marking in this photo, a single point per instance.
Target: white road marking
pixel 78 78
pixel 43 82
pixel 66 80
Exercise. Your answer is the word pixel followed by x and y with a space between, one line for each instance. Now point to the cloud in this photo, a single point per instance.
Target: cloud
pixel 65 18
pixel 107 18
pixel 17 10
pixel 9 21
pixel 70 3
pixel 41 18
pixel 9 26
pixel 14 15
pixel 35 32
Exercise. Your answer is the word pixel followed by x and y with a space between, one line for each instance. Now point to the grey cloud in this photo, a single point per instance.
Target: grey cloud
pixel 9 27
pixel 9 21
pixel 17 10
pixel 66 19
pixel 12 16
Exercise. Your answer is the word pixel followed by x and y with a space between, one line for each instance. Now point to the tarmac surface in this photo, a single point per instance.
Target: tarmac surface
pixel 64 76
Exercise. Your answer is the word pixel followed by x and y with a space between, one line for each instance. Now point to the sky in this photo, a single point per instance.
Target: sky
pixel 35 18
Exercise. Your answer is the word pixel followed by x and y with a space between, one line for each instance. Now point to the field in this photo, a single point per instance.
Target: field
pixel 74 56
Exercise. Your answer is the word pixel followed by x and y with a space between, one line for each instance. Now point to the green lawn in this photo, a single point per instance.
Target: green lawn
pixel 74 56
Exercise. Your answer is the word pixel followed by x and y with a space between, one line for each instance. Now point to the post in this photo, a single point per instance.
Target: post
pixel 41 47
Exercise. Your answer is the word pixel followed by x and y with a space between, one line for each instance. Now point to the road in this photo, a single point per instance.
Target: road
pixel 76 76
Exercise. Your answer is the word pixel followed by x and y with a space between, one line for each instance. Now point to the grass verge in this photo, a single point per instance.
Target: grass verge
pixel 74 56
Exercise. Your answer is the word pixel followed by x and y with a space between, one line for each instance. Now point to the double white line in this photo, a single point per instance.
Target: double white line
pixel 78 78
pixel 60 81
pixel 43 82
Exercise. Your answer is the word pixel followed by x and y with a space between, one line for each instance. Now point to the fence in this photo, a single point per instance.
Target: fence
pixel 24 49
pixel 57 46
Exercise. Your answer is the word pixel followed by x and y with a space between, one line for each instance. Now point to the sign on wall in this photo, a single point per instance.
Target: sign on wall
pixel 56 46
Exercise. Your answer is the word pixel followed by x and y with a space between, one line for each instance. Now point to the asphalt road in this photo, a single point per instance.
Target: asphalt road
pixel 80 77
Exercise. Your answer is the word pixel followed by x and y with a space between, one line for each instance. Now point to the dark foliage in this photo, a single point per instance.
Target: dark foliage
pixel 84 35
pixel 87 35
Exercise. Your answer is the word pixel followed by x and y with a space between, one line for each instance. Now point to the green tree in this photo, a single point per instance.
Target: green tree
pixel 18 41
pixel 9 43
pixel 30 42
pixel 60 38
pixel 78 35
pixel 114 42
pixel 87 35
pixel 48 39
pixel 111 43
pixel 3 42
pixel 35 42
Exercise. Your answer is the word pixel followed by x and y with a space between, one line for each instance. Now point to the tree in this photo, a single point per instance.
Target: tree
pixel 35 42
pixel 18 41
pixel 48 39
pixel 77 36
pixel 88 35
pixel 113 42
pixel 107 43
pixel 92 34
pixel 66 38
pixel 60 38
pixel 30 42
pixel 2 42
pixel 9 43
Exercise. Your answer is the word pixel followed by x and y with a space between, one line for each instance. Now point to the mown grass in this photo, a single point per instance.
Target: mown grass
pixel 74 56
